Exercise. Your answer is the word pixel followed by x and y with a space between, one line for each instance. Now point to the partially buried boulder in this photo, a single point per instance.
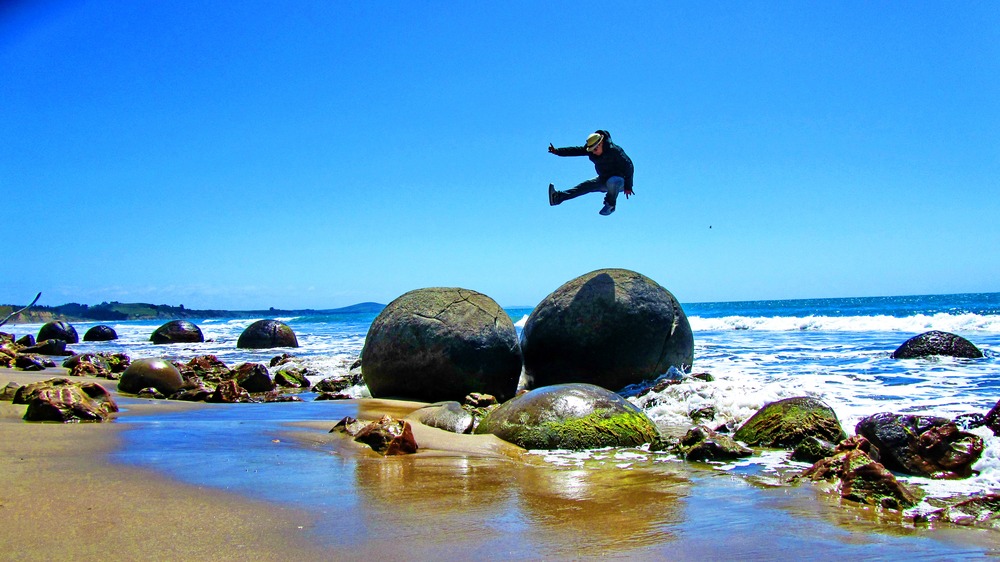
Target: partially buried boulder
pixel 937 343
pixel 177 331
pixel 785 423
pixel 58 331
pixel 264 334
pixel 860 477
pixel 611 327
pixel 922 445
pixel 569 416
pixel 157 373
pixel 61 400
pixel 439 344
pixel 100 333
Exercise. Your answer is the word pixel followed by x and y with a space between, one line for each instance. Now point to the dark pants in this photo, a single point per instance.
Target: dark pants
pixel 611 188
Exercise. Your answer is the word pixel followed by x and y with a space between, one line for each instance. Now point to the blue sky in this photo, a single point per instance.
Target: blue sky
pixel 317 154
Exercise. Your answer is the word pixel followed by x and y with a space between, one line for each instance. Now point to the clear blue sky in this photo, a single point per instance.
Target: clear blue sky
pixel 315 154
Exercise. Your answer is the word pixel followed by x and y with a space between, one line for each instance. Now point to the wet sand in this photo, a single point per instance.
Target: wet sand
pixel 61 497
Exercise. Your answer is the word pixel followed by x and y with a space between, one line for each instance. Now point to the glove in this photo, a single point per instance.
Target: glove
pixel 628 192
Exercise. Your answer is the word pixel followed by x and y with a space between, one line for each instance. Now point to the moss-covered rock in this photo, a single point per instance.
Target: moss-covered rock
pixel 569 416
pixel 785 423
pixel 610 327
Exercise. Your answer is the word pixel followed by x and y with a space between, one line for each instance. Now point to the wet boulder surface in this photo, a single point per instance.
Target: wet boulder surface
pixel 58 331
pixel 786 423
pixel 928 446
pixel 441 343
pixel 264 334
pixel 61 400
pixel 569 416
pixel 100 333
pixel 151 373
pixel 177 331
pixel 611 328
pixel 929 344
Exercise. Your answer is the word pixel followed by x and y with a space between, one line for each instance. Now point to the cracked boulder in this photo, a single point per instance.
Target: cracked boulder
pixel 438 344
pixel 611 328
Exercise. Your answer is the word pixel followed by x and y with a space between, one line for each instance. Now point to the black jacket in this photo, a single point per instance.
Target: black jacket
pixel 612 162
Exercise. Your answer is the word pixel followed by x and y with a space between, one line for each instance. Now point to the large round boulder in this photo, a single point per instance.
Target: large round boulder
pixel 100 333
pixel 264 334
pixel 177 331
pixel 440 344
pixel 569 416
pixel 610 327
pixel 786 423
pixel 58 331
pixel 156 373
pixel 937 343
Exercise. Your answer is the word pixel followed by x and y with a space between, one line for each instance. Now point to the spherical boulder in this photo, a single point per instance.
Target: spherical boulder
pixel 157 373
pixel 937 343
pixel 100 333
pixel 177 331
pixel 786 423
pixel 610 327
pixel 264 334
pixel 440 344
pixel 569 416
pixel 58 331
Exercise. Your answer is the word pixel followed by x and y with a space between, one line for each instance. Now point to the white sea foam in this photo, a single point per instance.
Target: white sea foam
pixel 956 323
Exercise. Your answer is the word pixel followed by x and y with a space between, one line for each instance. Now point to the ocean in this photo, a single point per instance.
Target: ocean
pixel 837 350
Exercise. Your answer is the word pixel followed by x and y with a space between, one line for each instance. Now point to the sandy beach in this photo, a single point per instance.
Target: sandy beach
pixel 61 496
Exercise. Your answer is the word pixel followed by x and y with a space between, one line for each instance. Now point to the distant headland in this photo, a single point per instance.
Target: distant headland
pixel 119 311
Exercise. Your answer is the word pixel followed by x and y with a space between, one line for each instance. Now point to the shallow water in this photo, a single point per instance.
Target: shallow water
pixel 608 503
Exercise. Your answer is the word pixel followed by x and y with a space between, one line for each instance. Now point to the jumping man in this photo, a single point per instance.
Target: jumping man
pixel 614 171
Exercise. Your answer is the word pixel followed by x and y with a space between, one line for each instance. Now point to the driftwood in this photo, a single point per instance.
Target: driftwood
pixel 16 312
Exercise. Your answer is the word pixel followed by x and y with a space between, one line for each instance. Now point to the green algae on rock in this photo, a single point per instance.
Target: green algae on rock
pixel 783 424
pixel 569 416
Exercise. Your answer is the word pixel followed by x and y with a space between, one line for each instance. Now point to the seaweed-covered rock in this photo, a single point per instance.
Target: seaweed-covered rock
pixel 569 416
pixel 783 424
pixel 980 511
pixel 254 377
pixel 291 377
pixel 937 343
pixel 702 444
pixel 100 333
pixel 157 373
pixel 439 344
pixel 387 436
pixel 229 392
pixel 922 445
pixel 88 364
pixel 860 477
pixel 610 327
pixel 58 331
pixel 177 331
pixel 813 449
pixel 264 334
pixel 61 400
pixel 207 367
